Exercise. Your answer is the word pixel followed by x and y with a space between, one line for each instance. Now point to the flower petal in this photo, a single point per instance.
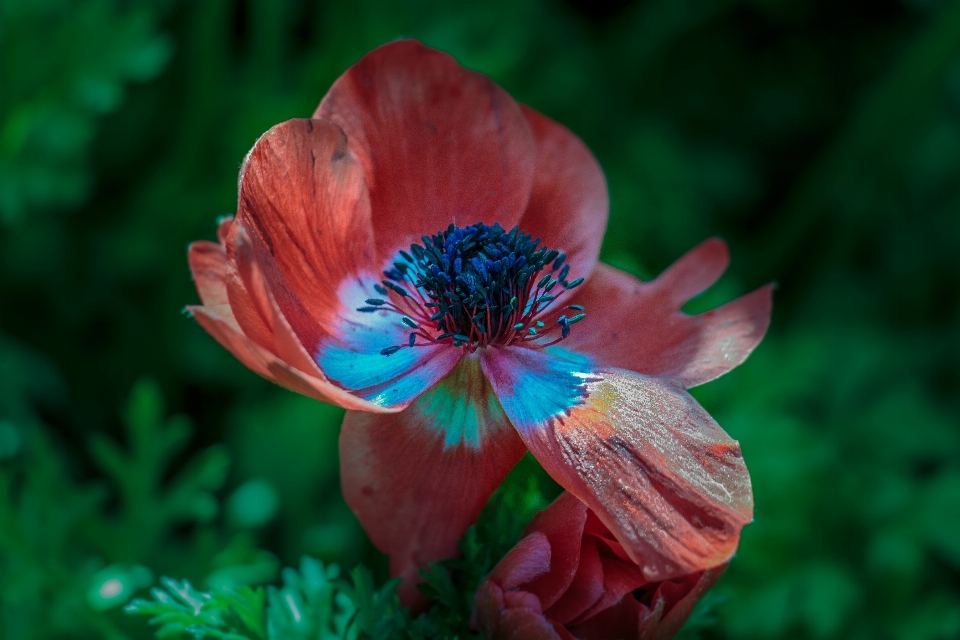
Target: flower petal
pixel 585 589
pixel 562 523
pixel 346 349
pixel 667 481
pixel 438 143
pixel 278 355
pixel 645 331
pixel 220 323
pixel 670 606
pixel 304 197
pixel 569 203
pixel 418 479
pixel 208 264
pixel 527 560
pixel 675 600
pixel 351 354
pixel 620 577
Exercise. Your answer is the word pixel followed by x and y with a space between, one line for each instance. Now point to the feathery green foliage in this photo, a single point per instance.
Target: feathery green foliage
pixel 821 139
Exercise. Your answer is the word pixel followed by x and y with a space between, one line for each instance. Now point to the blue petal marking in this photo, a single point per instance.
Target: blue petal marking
pixel 462 407
pixel 537 385
pixel 353 358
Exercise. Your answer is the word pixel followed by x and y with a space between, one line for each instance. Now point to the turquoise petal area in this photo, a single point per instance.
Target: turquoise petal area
pixel 351 356
pixel 462 407
pixel 536 386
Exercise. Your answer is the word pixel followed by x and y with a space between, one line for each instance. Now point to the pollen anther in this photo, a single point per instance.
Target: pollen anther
pixel 475 287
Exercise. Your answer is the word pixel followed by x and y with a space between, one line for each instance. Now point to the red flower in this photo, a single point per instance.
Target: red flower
pixel 383 258
pixel 569 577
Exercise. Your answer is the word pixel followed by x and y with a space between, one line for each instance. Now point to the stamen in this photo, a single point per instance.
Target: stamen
pixel 474 287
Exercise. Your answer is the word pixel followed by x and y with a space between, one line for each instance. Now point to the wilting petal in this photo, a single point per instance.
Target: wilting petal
pixel 694 272
pixel 438 143
pixel 667 481
pixel 303 196
pixel 418 479
pixel 569 203
pixel 638 325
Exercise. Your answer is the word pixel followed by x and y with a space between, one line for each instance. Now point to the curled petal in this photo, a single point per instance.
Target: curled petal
pixel 208 264
pixel 569 203
pixel 220 323
pixel 419 478
pixel 625 605
pixel 562 524
pixel 278 356
pixel 656 469
pixel 585 589
pixel 639 326
pixel 528 560
pixel 620 575
pixel 304 198
pixel 438 143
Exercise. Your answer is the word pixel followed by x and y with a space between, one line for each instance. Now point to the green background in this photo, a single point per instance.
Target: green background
pixel 820 138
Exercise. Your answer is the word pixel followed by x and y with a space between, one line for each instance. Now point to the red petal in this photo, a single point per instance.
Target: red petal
pixel 569 203
pixel 524 624
pixel 585 589
pixel 620 577
pixel 222 325
pixel 418 479
pixel 562 522
pixel 438 143
pixel 639 326
pixel 208 264
pixel 527 560
pixel 224 225
pixel 621 621
pixel 278 354
pixel 347 348
pixel 695 271
pixel 488 606
pixel 679 599
pixel 246 291
pixel 302 193
pixel 666 480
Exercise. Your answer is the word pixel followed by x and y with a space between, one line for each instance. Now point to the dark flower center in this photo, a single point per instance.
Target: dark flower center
pixel 477 286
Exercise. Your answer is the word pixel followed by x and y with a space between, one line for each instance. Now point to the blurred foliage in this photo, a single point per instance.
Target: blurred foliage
pixel 820 138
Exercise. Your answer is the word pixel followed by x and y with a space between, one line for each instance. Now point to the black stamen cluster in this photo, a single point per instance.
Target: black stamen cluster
pixel 477 286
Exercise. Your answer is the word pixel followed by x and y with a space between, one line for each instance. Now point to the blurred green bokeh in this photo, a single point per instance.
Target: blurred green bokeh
pixel 820 138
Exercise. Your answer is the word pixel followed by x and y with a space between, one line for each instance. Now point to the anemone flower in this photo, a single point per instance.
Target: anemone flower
pixel 569 578
pixel 423 252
